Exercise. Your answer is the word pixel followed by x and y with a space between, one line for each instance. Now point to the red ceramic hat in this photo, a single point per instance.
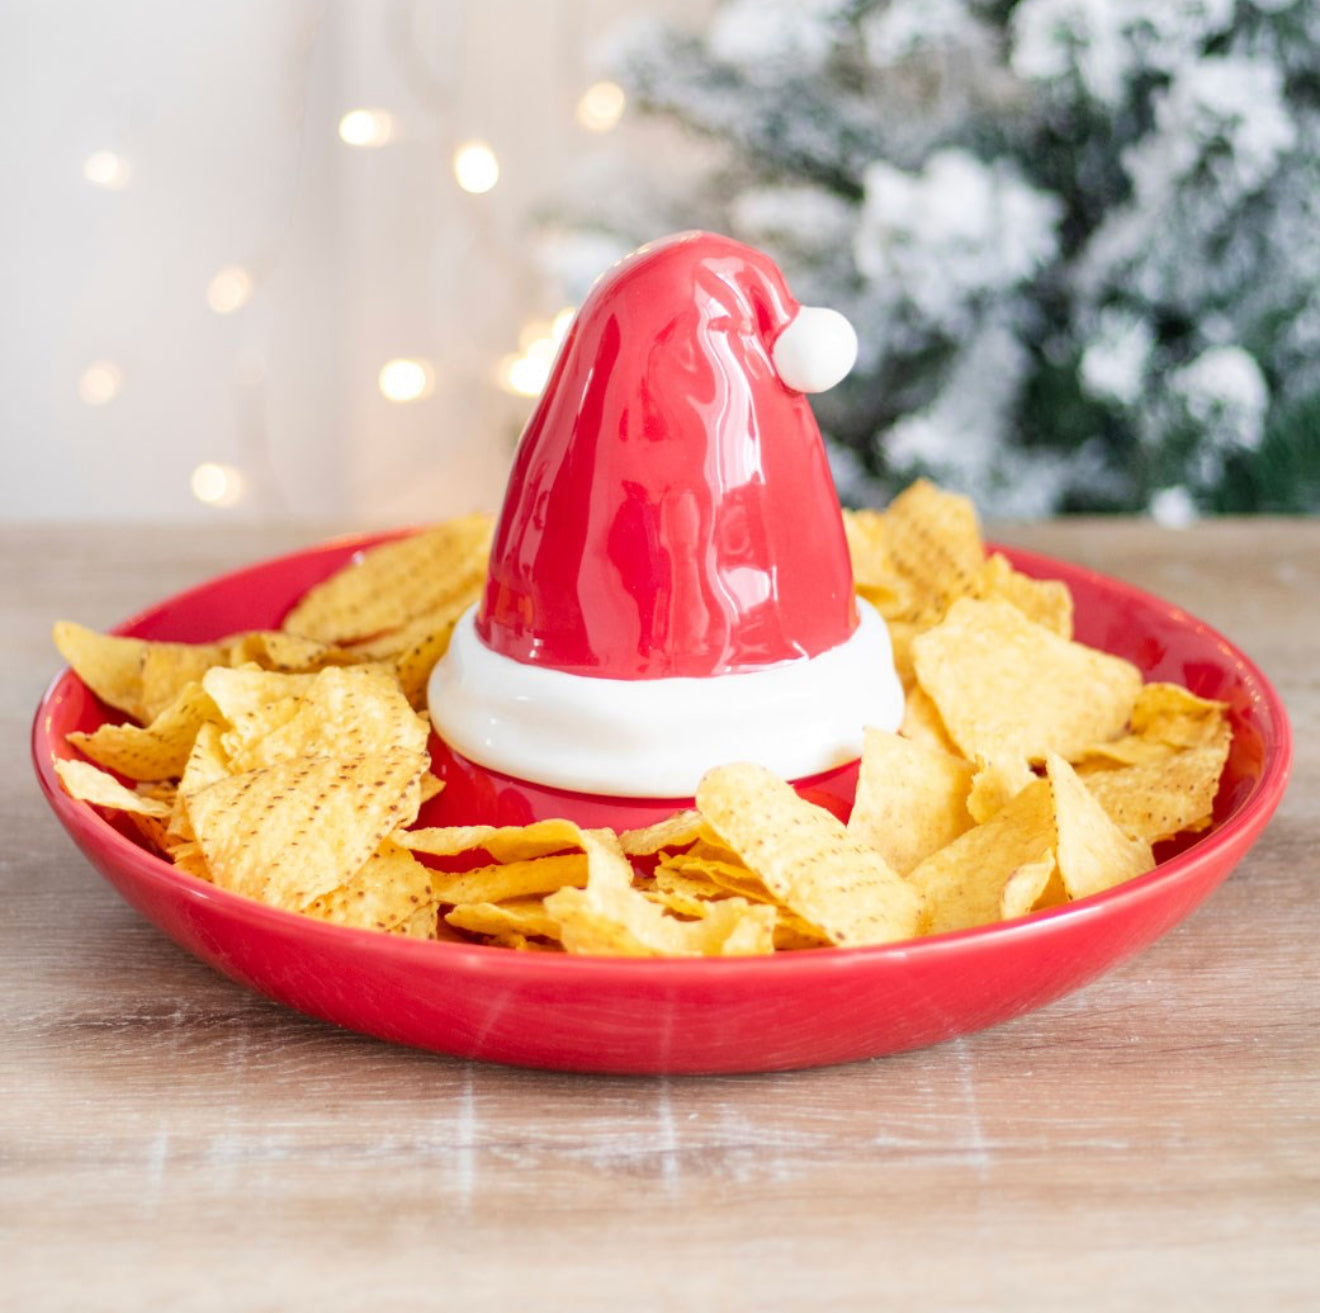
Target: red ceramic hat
pixel 670 510
pixel 669 586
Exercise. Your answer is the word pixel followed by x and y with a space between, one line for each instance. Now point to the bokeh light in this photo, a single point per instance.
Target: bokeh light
pixel 405 380
pixel 103 168
pixel 475 167
pixel 366 128
pixel 100 383
pixel 217 485
pixel 601 106
pixel 229 290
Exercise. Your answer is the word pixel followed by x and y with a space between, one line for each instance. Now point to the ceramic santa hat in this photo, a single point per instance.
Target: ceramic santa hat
pixel 669 584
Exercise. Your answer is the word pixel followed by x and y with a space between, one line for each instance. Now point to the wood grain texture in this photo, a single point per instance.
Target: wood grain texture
pixel 168 1140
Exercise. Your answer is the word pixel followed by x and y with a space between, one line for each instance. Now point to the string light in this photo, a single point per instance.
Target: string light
pixel 229 290
pixel 100 383
pixel 525 373
pixel 366 128
pixel 601 106
pixel 475 167
pixel 103 168
pixel 217 485
pixel 405 380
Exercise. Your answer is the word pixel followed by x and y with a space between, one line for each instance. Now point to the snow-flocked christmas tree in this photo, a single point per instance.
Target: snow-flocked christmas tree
pixel 1080 239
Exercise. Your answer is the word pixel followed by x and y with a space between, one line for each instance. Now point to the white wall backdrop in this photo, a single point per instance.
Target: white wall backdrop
pixel 202 281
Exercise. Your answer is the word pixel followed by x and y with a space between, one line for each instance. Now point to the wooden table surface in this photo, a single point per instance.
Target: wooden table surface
pixel 169 1140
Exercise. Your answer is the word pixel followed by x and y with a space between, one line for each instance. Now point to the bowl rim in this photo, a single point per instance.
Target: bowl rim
pixel 90 828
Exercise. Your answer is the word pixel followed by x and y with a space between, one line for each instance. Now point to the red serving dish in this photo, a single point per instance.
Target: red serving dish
pixel 682 1016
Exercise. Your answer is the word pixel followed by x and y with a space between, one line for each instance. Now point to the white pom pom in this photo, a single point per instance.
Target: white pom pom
pixel 816 350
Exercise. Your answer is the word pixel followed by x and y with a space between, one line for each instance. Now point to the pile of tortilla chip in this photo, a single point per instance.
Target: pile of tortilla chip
pixel 290 766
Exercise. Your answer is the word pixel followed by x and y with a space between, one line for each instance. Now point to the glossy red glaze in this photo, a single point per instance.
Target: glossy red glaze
pixel 670 510
pixel 734 1014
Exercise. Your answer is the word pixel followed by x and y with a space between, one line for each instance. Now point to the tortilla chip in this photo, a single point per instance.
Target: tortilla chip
pixel 110 666
pixel 676 831
pixel 169 668
pixel 1092 852
pixel 507 843
pixel 390 889
pixel 386 587
pixel 88 783
pixel 934 541
pixel 806 857
pixel 617 920
pixel 1155 801
pixel 254 702
pixel 158 752
pixel 1007 688
pixel 1026 888
pixel 967 883
pixel 911 799
pixel 875 577
pixel 286 653
pixel 922 723
pixel 996 782
pixel 1047 602
pixel 342 712
pixel 289 833
pixel 524 916
pixel 501 883
pixel 1170 714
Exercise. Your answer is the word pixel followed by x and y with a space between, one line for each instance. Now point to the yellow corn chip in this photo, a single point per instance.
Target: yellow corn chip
pixel 161 749
pixel 88 783
pixel 617 920
pixel 607 863
pixel 254 702
pixel 996 782
pixel 1169 713
pixel 206 765
pixel 1025 889
pixel 190 859
pixel 431 786
pixel 901 634
pixel 683 892
pixel 422 925
pixel 1154 801
pixel 426 640
pixel 922 723
pixel 676 831
pixel 388 586
pixel 1008 688
pixel 287 653
pixel 390 889
pixel 806 857
pixel 111 667
pixel 507 843
pixel 874 575
pixel 1130 750
pixel 523 916
pixel 342 712
pixel 911 799
pixel 1092 852
pixel 169 668
pixel 1048 602
pixel 291 832
pixel 935 542
pixel 720 878
pixel 523 878
pixel 967 883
